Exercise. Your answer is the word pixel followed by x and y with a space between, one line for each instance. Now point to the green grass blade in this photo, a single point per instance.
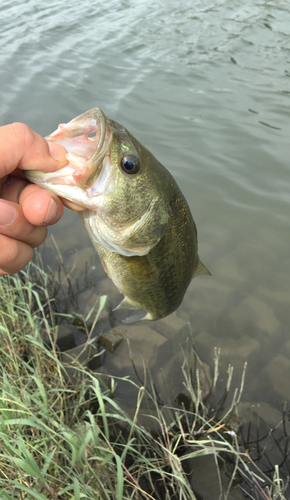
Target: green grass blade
pixel 120 478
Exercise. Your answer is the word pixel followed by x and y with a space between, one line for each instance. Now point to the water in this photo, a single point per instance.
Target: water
pixel 206 88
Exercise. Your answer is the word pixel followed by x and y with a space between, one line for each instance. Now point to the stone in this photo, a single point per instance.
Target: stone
pixel 254 311
pixel 203 475
pixel 230 269
pixel 184 315
pixel 170 379
pixel 153 367
pixel 204 302
pixel 139 357
pixel 111 339
pixel 265 433
pixel 107 287
pixel 85 260
pixel 88 300
pixel 273 379
pixel 67 337
pixel 280 296
pixel 287 348
pixel 154 350
pixel 241 347
pixel 170 326
pixel 250 412
pixel 277 372
pixel 85 355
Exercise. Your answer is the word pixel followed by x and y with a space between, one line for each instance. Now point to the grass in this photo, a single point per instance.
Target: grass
pixel 60 441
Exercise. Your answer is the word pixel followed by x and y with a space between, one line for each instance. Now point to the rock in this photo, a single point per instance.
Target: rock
pixel 250 412
pixel 265 434
pixel 107 287
pixel 274 378
pixel 141 366
pixel 170 326
pixel 255 312
pixel 85 355
pixel 111 339
pixel 85 261
pixel 233 348
pixel 279 296
pixel 208 293
pixel 230 269
pixel 155 350
pixel 203 476
pixel 170 380
pixel 287 348
pixel 157 367
pixel 277 374
pixel 88 300
pixel 67 337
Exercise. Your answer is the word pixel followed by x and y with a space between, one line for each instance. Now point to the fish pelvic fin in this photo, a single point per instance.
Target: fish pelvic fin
pixel 134 318
pixel 200 269
pixel 126 304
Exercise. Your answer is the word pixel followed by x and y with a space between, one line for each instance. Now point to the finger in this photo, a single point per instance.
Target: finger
pixel 12 188
pixel 2 181
pixel 21 147
pixel 14 255
pixel 14 224
pixel 40 207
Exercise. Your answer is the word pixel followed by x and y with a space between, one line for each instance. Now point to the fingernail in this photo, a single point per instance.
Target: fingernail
pixel 8 213
pixel 51 212
pixel 57 152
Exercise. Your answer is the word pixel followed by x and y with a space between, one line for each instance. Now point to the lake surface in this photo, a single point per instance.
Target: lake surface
pixel 206 88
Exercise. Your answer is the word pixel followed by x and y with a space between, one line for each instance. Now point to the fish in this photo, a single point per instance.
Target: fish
pixel 135 214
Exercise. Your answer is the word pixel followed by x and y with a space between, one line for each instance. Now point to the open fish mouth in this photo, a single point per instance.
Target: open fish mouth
pixel 87 139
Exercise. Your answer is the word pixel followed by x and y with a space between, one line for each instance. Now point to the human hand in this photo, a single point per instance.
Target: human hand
pixel 25 209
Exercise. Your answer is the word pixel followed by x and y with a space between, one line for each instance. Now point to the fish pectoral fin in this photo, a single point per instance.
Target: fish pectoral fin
pixel 126 304
pixel 146 232
pixel 200 269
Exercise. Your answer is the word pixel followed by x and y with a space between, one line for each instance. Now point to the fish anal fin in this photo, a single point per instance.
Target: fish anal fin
pixel 201 269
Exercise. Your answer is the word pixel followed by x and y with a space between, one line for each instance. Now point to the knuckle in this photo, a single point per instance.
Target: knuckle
pixel 9 252
pixel 38 236
pixel 14 255
pixel 22 134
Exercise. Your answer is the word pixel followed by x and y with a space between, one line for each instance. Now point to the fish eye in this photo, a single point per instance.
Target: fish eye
pixel 130 164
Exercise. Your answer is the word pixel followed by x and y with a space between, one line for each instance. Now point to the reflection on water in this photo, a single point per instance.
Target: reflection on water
pixel 206 88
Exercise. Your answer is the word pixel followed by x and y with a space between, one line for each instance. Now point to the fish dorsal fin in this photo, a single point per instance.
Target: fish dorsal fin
pixel 201 269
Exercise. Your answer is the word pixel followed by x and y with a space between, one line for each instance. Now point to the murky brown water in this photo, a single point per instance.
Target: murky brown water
pixel 206 88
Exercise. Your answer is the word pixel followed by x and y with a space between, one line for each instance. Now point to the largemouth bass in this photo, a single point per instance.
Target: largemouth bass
pixel 136 215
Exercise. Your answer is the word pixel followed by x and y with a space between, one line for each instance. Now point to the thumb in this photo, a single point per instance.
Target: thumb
pixel 21 147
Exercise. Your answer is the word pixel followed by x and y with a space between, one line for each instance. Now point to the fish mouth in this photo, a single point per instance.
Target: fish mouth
pixel 87 139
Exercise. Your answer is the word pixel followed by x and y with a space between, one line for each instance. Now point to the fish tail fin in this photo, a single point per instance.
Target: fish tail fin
pixel 200 269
